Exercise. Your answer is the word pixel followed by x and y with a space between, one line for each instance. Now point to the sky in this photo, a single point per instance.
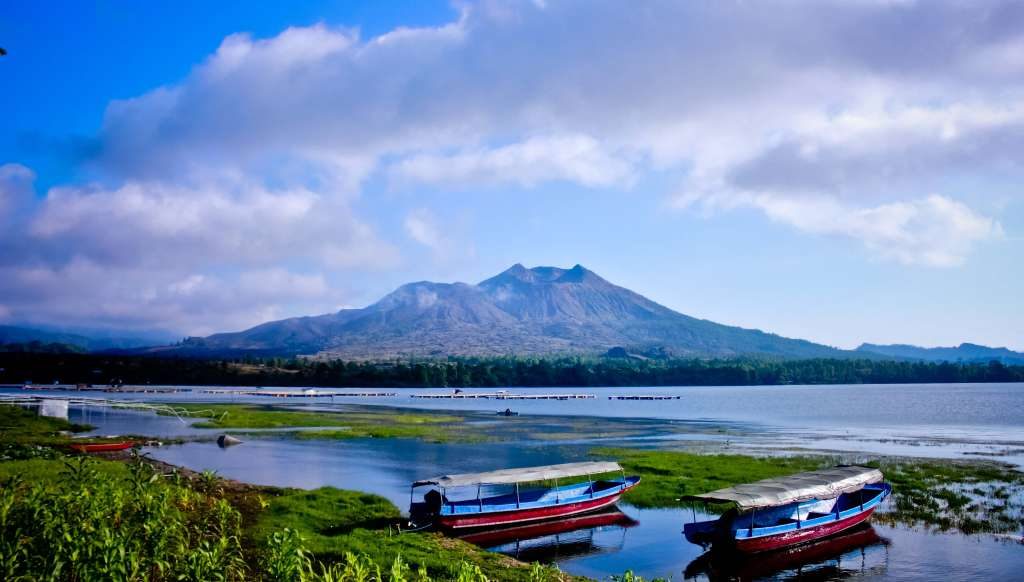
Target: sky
pixel 839 171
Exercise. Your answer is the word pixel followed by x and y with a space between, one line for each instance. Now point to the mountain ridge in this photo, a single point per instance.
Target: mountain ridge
pixel 521 311
pixel 965 352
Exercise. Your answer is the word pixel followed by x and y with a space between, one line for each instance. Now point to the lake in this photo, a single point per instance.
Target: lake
pixel 951 421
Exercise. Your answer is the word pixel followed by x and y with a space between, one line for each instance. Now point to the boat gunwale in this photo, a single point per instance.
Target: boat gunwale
pixel 466 507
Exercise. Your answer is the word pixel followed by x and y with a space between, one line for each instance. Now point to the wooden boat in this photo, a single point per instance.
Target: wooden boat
pixel 102 447
pixel 779 513
pixel 447 506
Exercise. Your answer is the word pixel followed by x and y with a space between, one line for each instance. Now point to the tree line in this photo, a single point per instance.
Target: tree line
pixel 97 369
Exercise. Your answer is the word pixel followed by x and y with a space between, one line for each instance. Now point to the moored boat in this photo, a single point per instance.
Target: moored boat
pixel 779 513
pixel 511 499
pixel 102 447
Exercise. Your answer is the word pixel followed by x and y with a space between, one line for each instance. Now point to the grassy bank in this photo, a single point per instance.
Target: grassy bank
pixel 335 523
pixel 71 517
pixel 970 497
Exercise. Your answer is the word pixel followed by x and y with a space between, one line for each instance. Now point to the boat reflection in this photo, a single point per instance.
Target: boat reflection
pixel 857 552
pixel 557 540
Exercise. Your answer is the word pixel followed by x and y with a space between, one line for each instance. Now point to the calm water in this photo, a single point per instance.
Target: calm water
pixel 946 421
pixel 925 420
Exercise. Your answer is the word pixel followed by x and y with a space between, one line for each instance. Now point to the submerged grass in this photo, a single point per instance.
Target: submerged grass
pixel 344 424
pixel 969 497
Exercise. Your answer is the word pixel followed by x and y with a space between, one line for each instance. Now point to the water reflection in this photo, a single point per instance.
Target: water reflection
pixel 858 552
pixel 552 541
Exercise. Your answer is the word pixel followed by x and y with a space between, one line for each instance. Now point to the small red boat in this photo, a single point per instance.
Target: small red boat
pixel 102 447
pixel 779 513
pixel 520 505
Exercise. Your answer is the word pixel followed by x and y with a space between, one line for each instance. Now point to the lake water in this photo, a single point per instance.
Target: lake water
pixel 954 421
pixel 922 420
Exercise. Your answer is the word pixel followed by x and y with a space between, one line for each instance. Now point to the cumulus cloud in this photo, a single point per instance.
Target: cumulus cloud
pixel 160 223
pixel 833 117
pixel 828 98
pixel 574 158
pixel 935 230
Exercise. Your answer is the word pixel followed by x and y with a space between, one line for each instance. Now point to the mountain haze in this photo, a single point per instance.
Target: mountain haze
pixel 538 311
pixel 963 353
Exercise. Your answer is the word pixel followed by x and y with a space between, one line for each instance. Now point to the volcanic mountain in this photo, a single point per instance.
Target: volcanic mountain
pixel 538 311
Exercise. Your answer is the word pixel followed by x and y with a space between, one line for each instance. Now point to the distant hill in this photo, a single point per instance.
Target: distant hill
pixel 538 311
pixel 86 341
pixel 962 353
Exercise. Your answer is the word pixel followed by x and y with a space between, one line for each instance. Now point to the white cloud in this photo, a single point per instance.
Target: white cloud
pixel 574 158
pixel 421 227
pixel 935 231
pixel 235 221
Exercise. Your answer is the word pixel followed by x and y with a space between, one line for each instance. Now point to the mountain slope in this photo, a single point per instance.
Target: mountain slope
pixel 538 311
pixel 963 353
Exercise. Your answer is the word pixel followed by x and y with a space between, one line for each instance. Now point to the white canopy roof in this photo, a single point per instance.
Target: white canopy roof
pixel 522 475
pixel 823 484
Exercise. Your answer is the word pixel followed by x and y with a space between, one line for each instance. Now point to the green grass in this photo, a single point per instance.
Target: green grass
pixel 49 471
pixel 334 522
pixel 19 424
pixel 668 475
pixel 384 423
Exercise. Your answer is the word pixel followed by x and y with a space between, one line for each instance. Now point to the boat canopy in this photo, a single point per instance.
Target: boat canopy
pixel 522 475
pixel 823 484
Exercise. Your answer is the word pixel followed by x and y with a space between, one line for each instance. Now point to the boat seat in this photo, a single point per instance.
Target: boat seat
pixel 817 514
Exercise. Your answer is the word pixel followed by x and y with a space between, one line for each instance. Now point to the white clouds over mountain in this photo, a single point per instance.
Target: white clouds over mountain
pixel 837 118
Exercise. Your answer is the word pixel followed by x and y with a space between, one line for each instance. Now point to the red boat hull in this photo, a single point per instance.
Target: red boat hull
pixel 801 536
pixel 103 447
pixel 514 516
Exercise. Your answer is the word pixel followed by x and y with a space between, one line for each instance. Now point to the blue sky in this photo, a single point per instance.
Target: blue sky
pixel 836 171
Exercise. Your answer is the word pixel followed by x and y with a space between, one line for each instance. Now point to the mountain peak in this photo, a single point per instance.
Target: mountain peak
pixel 526 311
pixel 542 274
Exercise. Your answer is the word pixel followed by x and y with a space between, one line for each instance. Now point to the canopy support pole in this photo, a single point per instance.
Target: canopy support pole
pixel 479 499
pixel 591 481
pixel 623 486
pixel 517 495
pixel 557 492
pixel 753 516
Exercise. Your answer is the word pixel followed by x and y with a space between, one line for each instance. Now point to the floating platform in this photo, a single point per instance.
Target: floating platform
pixel 644 397
pixel 504 396
pixel 304 394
